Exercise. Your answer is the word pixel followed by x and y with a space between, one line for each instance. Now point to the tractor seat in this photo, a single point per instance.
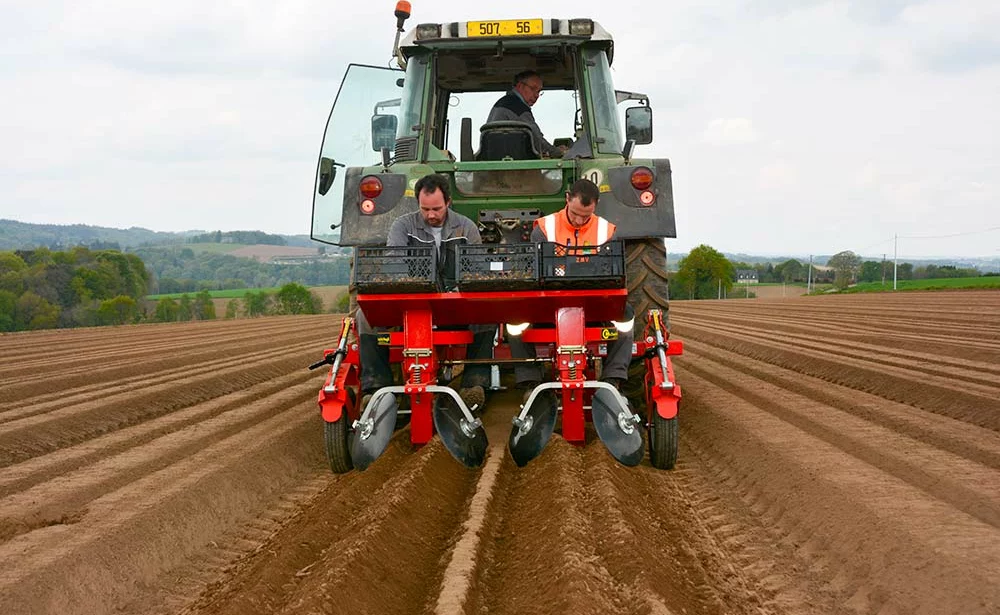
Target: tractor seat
pixel 499 140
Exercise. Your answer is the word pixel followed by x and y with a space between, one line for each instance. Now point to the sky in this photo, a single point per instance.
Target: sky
pixel 792 127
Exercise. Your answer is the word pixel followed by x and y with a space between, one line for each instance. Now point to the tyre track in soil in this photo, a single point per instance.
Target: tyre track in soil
pixel 965 398
pixel 976 372
pixel 134 341
pixel 79 369
pixel 955 346
pixel 798 490
pixel 120 517
pixel 77 415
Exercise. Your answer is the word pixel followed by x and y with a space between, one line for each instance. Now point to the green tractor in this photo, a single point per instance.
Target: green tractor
pixel 389 127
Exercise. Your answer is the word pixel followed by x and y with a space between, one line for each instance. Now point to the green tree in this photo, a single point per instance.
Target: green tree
pixel 700 273
pixel 185 311
pixel 11 263
pixel 8 303
pixel 118 311
pixel 342 304
pixel 871 271
pixel 233 308
pixel 790 271
pixel 203 307
pixel 297 299
pixel 33 312
pixel 166 310
pixel 904 271
pixel 256 304
pixel 845 266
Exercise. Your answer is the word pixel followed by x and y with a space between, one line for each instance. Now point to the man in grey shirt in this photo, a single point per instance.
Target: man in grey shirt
pixel 516 105
pixel 433 224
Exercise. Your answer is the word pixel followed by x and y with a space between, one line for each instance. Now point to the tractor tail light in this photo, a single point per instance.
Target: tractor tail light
pixel 371 187
pixel 642 178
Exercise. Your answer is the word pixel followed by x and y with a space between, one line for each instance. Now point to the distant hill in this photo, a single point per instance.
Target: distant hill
pixel 16 235
pixel 22 235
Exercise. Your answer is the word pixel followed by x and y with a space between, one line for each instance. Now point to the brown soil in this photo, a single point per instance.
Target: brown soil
pixel 838 455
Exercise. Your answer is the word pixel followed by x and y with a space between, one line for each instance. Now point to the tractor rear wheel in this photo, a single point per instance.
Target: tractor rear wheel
pixel 335 436
pixel 646 272
pixel 663 442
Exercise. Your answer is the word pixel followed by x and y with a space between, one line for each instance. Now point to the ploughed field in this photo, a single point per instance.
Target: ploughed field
pixel 837 455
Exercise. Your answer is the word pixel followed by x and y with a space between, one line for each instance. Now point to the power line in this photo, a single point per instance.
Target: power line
pixel 878 243
pixel 986 230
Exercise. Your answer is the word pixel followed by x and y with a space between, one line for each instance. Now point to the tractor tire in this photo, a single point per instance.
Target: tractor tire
pixel 663 442
pixel 646 272
pixel 338 453
pixel 336 439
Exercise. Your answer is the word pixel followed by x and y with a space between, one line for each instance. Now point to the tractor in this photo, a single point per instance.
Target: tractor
pixel 391 126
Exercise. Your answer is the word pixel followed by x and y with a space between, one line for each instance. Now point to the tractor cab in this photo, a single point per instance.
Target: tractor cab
pixel 389 127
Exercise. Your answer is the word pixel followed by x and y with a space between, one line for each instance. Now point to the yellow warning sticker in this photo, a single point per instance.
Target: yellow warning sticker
pixel 609 333
pixel 383 339
pixel 408 192
pixel 605 188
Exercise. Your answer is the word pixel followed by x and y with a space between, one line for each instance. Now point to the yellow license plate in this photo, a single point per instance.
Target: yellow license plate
pixel 505 27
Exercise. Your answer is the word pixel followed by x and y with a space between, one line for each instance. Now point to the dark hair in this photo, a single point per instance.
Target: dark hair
pixel 525 74
pixel 586 190
pixel 429 184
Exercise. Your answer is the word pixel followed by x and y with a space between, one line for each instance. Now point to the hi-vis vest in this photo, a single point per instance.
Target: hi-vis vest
pixel 557 229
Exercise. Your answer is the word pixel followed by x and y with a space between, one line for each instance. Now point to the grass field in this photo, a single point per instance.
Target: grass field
pixel 326 293
pixel 234 293
pixel 937 284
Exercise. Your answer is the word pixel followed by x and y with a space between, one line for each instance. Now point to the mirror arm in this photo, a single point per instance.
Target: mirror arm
pixel 627 150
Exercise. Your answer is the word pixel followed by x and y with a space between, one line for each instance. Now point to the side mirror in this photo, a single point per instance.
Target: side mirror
pixel 639 125
pixel 327 173
pixel 383 132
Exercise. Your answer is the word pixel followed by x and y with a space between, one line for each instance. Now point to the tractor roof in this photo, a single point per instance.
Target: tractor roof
pixel 484 35
pixel 485 55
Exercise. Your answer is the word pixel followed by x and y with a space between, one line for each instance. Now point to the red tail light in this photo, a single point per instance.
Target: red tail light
pixel 371 187
pixel 642 178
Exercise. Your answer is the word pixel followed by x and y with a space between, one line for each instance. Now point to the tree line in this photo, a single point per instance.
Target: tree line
pixel 240 237
pixel 291 298
pixel 46 289
pixel 43 289
pixel 182 270
pixel 705 272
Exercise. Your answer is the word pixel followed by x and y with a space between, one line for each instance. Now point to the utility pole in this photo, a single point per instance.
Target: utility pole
pixel 720 288
pixel 809 279
pixel 895 258
pixel 883 269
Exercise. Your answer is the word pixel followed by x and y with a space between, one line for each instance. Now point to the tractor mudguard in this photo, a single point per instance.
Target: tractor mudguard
pixel 667 405
pixel 331 407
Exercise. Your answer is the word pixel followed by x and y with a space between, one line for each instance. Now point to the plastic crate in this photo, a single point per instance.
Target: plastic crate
pixel 498 267
pixel 583 267
pixel 388 270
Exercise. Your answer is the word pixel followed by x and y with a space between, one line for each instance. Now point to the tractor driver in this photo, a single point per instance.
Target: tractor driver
pixel 516 105
pixel 576 225
pixel 434 223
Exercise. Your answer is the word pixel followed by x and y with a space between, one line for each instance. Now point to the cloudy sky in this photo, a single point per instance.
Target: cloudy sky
pixel 793 127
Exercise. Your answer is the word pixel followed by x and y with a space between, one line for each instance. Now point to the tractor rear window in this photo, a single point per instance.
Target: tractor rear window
pixel 511 182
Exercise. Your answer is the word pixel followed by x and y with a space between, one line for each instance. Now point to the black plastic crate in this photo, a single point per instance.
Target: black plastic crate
pixel 498 266
pixel 387 270
pixel 583 267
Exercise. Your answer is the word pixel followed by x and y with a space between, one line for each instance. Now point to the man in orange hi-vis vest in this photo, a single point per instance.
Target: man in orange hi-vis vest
pixel 576 225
